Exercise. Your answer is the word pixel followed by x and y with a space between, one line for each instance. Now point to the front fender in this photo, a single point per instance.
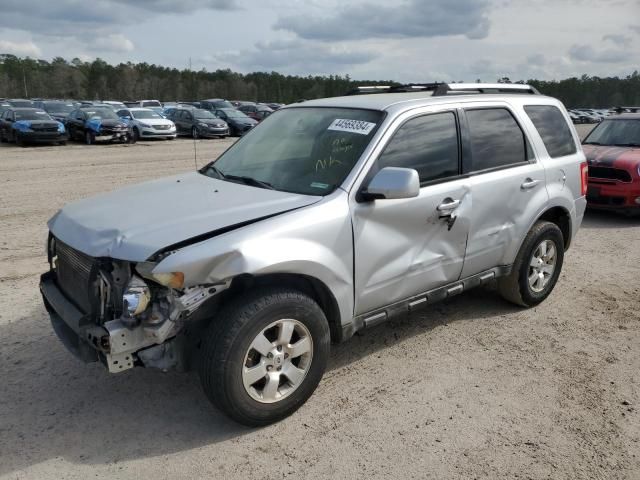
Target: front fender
pixel 315 241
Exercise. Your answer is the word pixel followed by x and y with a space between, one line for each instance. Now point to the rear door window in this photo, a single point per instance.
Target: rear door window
pixel 428 144
pixel 497 141
pixel 553 129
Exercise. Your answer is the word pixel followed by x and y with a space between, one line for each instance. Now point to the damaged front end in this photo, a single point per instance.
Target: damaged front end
pixel 119 312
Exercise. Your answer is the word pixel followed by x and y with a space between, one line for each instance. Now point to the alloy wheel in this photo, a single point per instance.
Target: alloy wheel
pixel 277 361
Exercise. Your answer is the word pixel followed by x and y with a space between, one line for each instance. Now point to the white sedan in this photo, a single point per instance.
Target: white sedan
pixel 146 123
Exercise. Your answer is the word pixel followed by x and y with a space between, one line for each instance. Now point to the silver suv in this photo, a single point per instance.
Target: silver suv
pixel 332 216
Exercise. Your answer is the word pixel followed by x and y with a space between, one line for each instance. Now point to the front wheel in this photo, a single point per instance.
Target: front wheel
pixel 195 133
pixel 537 266
pixel 89 138
pixel 264 355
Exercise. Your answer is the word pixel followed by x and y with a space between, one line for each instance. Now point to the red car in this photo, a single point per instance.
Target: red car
pixel 613 154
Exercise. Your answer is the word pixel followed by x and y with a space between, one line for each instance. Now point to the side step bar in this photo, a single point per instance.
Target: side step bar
pixel 381 315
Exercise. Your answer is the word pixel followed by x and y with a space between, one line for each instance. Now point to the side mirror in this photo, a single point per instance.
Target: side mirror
pixel 392 183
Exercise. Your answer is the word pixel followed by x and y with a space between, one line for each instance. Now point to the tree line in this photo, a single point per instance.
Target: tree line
pixel 98 80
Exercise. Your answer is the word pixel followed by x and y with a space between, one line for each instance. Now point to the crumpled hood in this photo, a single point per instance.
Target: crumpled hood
pixel 134 222
pixel 607 156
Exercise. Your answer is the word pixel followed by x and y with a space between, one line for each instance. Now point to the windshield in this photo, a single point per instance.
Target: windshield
pixel 140 114
pixel 58 107
pixel 32 115
pixel 616 132
pixel 103 113
pixel 300 150
pixel 233 113
pixel 203 114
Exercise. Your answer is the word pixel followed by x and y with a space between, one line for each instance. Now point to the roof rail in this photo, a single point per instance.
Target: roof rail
pixel 442 89
pixel 626 109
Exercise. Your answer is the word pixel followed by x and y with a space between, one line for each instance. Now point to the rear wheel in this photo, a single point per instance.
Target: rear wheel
pixel 537 266
pixel 264 355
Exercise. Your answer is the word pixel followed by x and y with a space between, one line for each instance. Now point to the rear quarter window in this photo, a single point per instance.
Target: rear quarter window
pixel 553 129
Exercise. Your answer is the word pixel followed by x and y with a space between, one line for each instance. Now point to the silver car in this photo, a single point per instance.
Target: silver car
pixel 330 217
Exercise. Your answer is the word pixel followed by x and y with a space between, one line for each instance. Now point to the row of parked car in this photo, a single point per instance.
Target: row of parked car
pixel 56 121
pixel 589 115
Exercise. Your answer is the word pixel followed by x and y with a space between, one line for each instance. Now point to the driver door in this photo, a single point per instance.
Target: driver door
pixel 408 246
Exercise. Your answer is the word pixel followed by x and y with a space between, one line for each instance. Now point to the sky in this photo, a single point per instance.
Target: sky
pixel 401 40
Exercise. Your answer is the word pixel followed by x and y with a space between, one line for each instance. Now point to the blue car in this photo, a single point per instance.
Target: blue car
pixel 31 125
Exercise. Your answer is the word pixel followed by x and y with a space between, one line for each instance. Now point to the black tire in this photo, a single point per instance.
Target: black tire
pixel 515 287
pixel 135 136
pixel 194 133
pixel 229 337
pixel 19 140
pixel 62 143
pixel 89 137
pixel 2 138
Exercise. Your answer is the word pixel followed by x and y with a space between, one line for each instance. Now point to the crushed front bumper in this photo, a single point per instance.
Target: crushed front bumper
pixel 113 343
pixel 69 323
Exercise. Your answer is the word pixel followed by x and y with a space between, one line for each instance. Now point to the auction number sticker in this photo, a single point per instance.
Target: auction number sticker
pixel 352 126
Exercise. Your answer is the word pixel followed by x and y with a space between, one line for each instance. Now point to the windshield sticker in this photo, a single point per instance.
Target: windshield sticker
pixel 353 126
pixel 323 186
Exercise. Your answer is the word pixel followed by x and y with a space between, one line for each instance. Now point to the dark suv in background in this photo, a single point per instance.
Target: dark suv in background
pixel 198 123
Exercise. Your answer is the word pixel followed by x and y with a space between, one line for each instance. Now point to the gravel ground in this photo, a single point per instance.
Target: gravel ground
pixel 471 388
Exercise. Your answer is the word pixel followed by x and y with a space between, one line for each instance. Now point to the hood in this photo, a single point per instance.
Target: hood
pixel 211 121
pixel 607 156
pixel 96 123
pixel 134 222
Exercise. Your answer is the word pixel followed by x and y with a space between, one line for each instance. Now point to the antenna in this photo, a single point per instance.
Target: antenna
pixel 195 154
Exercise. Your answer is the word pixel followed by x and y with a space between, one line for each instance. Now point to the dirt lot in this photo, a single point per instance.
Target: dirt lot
pixel 472 388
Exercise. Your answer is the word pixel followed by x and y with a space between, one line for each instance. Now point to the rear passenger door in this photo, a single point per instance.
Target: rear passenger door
pixel 507 185
pixel 409 246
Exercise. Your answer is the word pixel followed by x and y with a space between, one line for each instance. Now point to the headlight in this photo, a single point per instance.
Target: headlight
pixel 144 125
pixel 203 125
pixel 171 279
pixel 136 297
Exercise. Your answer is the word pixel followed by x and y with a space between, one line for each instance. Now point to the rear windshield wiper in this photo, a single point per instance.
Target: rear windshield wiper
pixel 250 181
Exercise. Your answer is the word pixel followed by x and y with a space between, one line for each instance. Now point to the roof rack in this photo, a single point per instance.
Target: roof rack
pixel 442 89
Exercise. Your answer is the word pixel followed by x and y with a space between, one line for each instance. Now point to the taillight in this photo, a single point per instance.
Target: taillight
pixel 584 177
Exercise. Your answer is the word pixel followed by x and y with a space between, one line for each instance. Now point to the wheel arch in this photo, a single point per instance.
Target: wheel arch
pixel 309 285
pixel 562 218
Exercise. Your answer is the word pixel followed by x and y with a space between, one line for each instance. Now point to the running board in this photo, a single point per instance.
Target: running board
pixel 380 315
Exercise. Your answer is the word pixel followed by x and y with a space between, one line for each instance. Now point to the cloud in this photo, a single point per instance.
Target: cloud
pixel 180 6
pixel 296 56
pixel 28 48
pixel 69 17
pixel 622 40
pixel 635 28
pixel 411 19
pixel 586 53
pixel 114 42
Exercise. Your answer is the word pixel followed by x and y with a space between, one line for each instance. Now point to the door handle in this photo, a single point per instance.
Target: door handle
pixel 529 184
pixel 448 205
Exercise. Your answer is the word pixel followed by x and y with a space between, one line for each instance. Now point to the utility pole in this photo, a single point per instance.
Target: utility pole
pixel 24 79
